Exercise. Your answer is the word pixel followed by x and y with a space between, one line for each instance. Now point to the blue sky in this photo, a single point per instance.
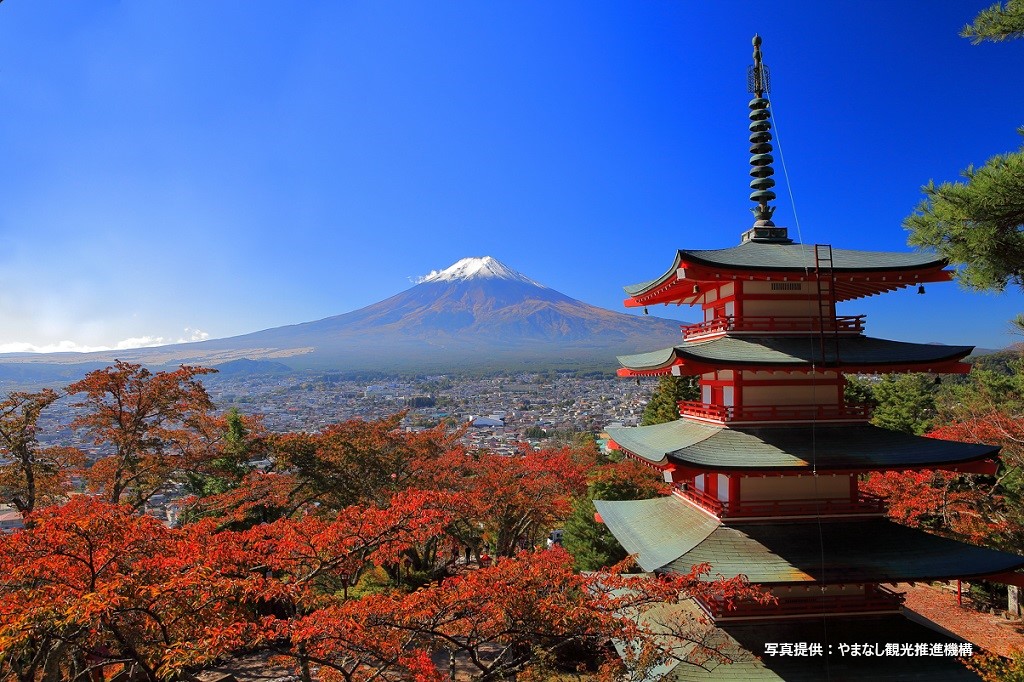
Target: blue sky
pixel 176 170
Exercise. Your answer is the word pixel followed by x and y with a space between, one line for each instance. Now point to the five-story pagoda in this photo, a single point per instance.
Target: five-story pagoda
pixel 765 466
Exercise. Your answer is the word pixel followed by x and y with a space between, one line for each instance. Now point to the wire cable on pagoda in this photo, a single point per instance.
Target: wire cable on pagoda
pixel 817 506
pixel 785 174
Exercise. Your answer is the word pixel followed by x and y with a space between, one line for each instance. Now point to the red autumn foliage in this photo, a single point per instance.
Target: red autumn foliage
pixel 629 479
pixel 358 461
pixel 32 476
pixel 513 500
pixel 148 423
pixel 965 505
pixel 92 585
pixel 521 613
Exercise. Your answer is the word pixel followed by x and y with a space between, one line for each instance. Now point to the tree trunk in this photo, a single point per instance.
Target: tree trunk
pixel 304 674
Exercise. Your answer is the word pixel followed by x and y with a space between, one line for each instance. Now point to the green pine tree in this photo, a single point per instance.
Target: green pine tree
pixel 905 402
pixel 664 404
pixel 998 22
pixel 591 543
pixel 978 225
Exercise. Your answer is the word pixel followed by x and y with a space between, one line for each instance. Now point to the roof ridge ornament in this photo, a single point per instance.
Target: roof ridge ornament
pixel 759 84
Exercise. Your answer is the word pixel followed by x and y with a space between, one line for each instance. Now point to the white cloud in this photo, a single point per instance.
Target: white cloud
pixel 193 335
pixel 68 346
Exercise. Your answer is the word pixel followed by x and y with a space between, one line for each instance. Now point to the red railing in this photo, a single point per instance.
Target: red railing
pixel 877 598
pixel 775 324
pixel 864 504
pixel 727 414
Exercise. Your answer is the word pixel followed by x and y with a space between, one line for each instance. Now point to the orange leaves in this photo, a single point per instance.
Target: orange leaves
pixel 913 496
pixel 31 476
pixel 269 560
pixel 149 423
pixel 518 614
pixel 99 578
pixel 360 461
pixel 516 499
pixel 300 550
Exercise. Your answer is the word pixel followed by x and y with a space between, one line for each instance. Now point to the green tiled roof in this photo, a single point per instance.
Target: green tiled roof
pixel 855 446
pixel 874 550
pixel 867 550
pixel 795 351
pixel 746 643
pixel 791 257
pixel 656 442
pixel 657 533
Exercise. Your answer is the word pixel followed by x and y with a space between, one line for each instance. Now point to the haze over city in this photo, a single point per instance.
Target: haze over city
pixel 201 170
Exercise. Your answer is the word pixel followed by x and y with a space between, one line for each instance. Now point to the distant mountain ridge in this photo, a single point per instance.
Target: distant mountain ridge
pixel 477 312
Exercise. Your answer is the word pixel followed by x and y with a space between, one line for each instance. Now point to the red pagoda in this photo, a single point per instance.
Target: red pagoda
pixel 765 467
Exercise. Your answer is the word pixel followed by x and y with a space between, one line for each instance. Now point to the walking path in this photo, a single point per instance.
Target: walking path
pixel 985 631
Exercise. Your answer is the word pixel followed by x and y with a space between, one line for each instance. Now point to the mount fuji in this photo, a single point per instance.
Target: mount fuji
pixel 476 313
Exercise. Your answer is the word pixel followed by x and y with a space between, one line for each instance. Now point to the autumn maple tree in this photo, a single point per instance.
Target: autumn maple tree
pixel 986 407
pixel 31 475
pixel 357 461
pixel 266 559
pixel 149 426
pixel 519 499
pixel 523 615
pixel 93 586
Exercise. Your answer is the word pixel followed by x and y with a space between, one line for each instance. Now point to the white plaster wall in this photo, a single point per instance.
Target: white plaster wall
pixel 780 307
pixel 758 489
pixel 790 395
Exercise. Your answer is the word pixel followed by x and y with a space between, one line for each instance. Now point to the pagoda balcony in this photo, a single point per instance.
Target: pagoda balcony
pixel 787 325
pixel 728 414
pixel 876 599
pixel 865 504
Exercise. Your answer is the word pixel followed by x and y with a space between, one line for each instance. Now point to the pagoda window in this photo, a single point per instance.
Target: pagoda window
pixel 698 482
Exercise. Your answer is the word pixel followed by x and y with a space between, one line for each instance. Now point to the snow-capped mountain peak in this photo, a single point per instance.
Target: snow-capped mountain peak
pixel 476 268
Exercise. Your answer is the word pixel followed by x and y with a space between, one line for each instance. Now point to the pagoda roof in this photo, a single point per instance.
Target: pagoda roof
pixel 855 551
pixel 744 643
pixel 758 256
pixel 786 352
pixel 786 448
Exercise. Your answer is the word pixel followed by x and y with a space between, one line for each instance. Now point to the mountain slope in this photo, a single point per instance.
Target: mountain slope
pixel 476 312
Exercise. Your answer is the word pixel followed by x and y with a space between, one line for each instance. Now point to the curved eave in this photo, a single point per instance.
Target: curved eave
pixel 858 354
pixel 642 287
pixel 874 551
pixel 696 447
pixel 849 286
pixel 758 256
pixel 858 273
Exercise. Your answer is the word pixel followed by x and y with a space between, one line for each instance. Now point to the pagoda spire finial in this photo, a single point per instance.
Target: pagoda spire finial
pixel 759 84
